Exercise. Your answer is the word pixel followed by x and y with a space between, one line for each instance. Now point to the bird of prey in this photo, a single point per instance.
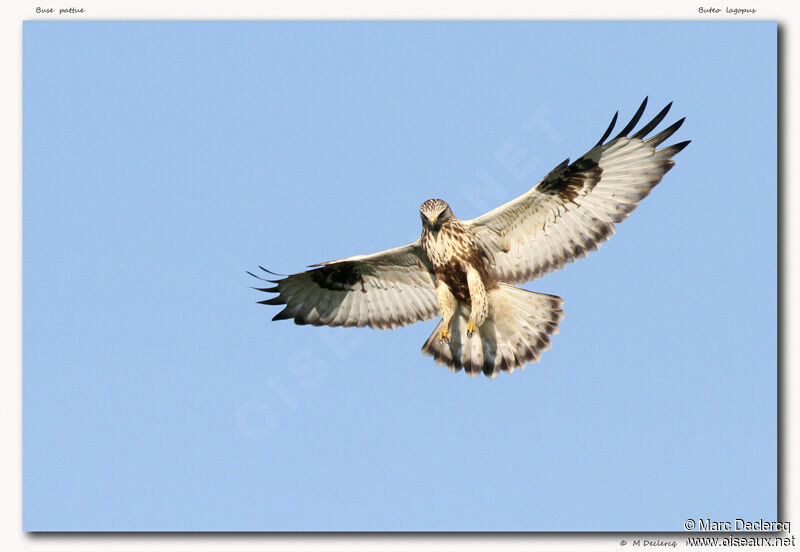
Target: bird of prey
pixel 464 270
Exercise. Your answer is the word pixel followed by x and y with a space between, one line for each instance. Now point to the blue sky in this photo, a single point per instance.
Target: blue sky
pixel 163 160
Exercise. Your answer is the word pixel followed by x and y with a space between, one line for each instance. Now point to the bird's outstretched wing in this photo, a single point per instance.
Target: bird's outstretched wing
pixel 573 209
pixel 383 290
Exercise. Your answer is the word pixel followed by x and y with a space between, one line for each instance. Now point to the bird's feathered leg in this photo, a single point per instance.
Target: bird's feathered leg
pixel 447 306
pixel 479 300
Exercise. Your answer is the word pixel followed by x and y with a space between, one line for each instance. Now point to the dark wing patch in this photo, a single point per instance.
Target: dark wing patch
pixel 340 276
pixel 384 290
pixel 568 181
pixel 575 207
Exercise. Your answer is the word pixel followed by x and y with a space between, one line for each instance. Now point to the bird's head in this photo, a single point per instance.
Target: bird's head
pixel 434 213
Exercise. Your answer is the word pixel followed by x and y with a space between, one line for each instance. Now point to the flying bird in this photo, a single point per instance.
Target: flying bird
pixel 464 271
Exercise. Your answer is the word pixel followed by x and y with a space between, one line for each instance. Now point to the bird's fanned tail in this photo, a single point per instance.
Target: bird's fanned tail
pixel 516 332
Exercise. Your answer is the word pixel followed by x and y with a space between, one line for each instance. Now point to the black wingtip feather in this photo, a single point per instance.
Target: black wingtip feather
pixel 666 133
pixel 634 121
pixel 273 289
pixel 608 130
pixel 677 148
pixel 264 279
pixel 254 276
pixel 270 272
pixel 283 315
pixel 654 123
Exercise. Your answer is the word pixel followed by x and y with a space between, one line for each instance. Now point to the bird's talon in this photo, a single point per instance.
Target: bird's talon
pixel 444 335
pixel 471 327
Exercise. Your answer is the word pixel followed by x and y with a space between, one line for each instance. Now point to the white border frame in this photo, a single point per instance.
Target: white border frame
pixel 11 535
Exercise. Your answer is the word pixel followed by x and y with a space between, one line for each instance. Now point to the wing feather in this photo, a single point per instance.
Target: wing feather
pixel 574 208
pixel 383 290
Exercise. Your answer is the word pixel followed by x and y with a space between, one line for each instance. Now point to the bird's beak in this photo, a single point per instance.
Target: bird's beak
pixel 432 220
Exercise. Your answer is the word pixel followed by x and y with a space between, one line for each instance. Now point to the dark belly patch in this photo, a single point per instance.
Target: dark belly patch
pixel 454 277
